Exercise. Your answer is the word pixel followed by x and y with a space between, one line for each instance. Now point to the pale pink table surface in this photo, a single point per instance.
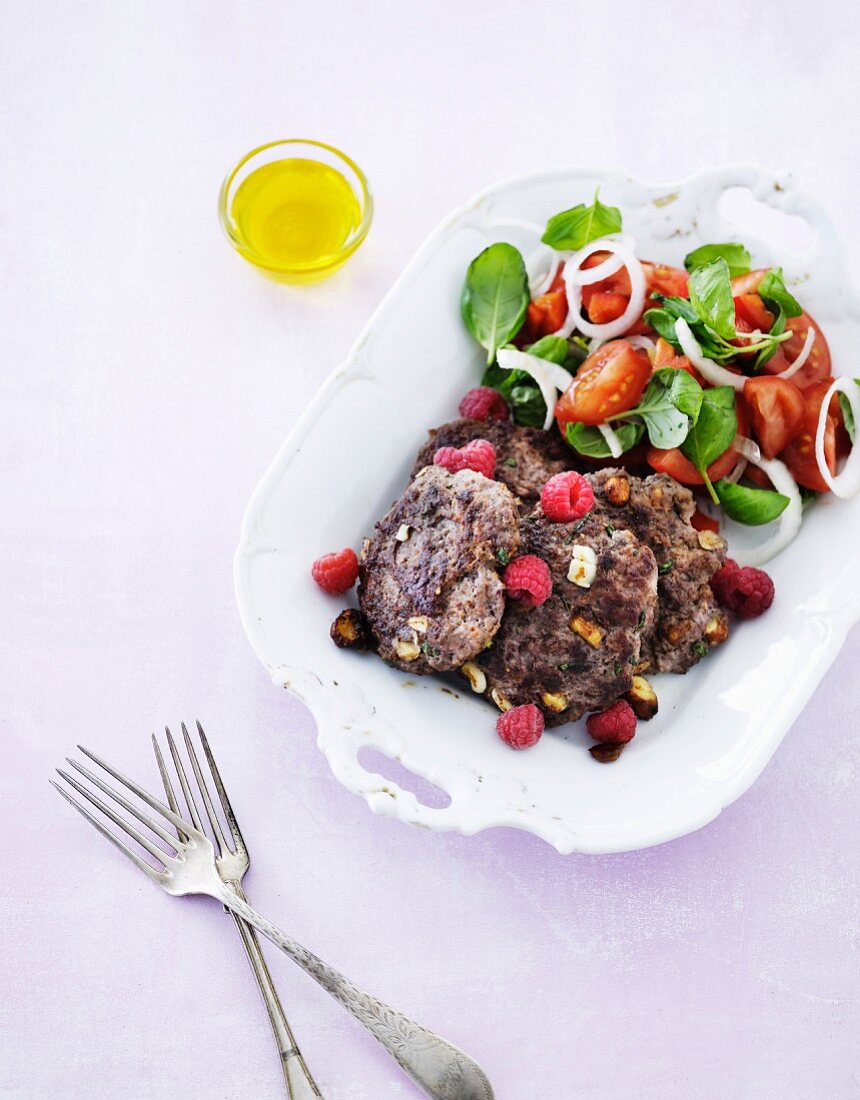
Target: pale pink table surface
pixel 148 377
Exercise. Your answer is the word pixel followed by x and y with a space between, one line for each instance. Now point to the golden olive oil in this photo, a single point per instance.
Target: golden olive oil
pixel 294 214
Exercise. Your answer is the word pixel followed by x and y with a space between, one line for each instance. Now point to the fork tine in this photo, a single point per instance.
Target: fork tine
pixel 183 781
pixel 148 869
pixel 160 832
pixel 108 811
pixel 204 791
pixel 136 788
pixel 222 792
pixel 165 779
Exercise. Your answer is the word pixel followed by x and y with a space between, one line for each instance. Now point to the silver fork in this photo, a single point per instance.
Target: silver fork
pixel 435 1065
pixel 232 863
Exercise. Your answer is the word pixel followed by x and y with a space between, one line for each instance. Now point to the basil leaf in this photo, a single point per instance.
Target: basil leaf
pixel 662 320
pixel 553 348
pixel 571 229
pixel 495 296
pixel 750 506
pixel 589 441
pixel 848 413
pixel 735 255
pixel 711 297
pixel 713 432
pixel 528 407
pixel 669 407
pixel 773 290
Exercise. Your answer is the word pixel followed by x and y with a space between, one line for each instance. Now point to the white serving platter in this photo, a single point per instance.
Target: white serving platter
pixel 719 725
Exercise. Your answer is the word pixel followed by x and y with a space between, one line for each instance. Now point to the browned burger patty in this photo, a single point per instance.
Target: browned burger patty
pixel 658 511
pixel 577 651
pixel 429 582
pixel 526 457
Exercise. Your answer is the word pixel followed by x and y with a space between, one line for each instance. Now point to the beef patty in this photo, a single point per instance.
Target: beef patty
pixel 429 582
pixel 526 457
pixel 658 511
pixel 576 652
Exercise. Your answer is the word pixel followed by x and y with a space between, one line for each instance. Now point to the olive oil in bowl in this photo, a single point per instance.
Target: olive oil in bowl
pixel 296 209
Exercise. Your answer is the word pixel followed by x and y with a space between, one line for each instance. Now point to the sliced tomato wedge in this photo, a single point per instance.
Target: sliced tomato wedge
pixel 700 522
pixel 664 279
pixel 819 364
pixel 545 315
pixel 611 380
pixel 749 283
pixel 666 356
pixel 751 310
pixel 678 466
pixel 776 410
pixel 799 455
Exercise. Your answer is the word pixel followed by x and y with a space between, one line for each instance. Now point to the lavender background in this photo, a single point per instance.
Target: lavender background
pixel 149 375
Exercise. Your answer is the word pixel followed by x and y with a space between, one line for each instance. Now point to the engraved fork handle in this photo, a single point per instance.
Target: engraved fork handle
pixel 297 1077
pixel 435 1065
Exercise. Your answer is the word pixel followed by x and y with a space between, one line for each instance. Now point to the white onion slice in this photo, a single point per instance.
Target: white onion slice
pixel 644 343
pixel 550 377
pixel 585 276
pixel 737 471
pixel 573 286
pixel 847 482
pixel 802 356
pixel 713 372
pixel 540 284
pixel 594 344
pixel 747 448
pixel 789 521
pixel 612 440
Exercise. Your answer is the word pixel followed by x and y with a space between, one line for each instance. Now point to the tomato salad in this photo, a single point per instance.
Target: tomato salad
pixel 714 374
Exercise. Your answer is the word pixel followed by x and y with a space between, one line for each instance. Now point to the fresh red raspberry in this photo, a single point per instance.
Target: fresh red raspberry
pixel 335 573
pixel 566 497
pixel 520 727
pixel 615 725
pixel 484 403
pixel 528 580
pixel 479 455
pixel 748 592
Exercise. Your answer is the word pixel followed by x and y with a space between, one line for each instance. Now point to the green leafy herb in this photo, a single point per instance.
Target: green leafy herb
pixel 665 567
pixel 495 296
pixel 553 348
pixel 574 228
pixel 700 648
pixel 521 393
pixel 577 527
pixel 848 414
pixel 776 329
pixel 711 297
pixel 735 255
pixel 430 650
pixel 642 620
pixel 713 432
pixel 616 668
pixel 589 441
pixel 502 556
pixel 510 461
pixel 774 291
pixel 574 666
pixel 750 506
pixel 609 529
pixel 668 407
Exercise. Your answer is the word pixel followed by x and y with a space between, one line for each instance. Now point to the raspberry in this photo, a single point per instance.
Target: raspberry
pixel 528 580
pixel 479 455
pixel 615 725
pixel 520 727
pixel 566 497
pixel 335 573
pixel 484 403
pixel 748 592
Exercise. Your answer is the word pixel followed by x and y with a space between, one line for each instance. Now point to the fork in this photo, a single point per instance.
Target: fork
pixel 439 1068
pixel 232 865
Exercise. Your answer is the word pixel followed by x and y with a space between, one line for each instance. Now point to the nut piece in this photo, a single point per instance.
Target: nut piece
pixel 710 540
pixel 402 532
pixel 607 751
pixel 642 698
pixel 587 630
pixel 476 676
pixel 617 489
pixel 656 494
pixel 407 651
pixel 350 630
pixel 716 631
pixel 501 702
pixel 419 623
pixel 679 630
pixel 554 700
pixel 583 566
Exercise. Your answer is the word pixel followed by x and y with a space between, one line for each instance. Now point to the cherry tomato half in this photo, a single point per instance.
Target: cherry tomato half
pixel 776 410
pixel 817 367
pixel 611 380
pixel 799 455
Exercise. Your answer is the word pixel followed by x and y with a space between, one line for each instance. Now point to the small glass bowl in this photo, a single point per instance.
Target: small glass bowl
pixel 322 266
